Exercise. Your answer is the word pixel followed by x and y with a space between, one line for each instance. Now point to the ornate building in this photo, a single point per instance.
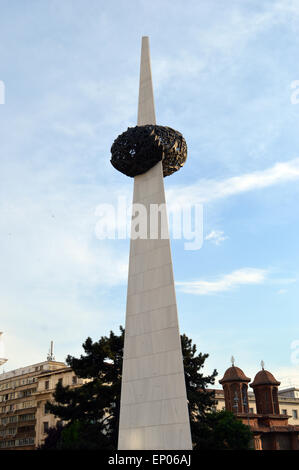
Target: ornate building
pixel 270 428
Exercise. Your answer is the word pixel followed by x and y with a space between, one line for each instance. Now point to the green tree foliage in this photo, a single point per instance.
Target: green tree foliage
pixel 221 430
pixel 53 439
pixel 91 411
pixel 200 400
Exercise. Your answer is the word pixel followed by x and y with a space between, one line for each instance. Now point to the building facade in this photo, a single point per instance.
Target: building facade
pixel 46 385
pixel 23 395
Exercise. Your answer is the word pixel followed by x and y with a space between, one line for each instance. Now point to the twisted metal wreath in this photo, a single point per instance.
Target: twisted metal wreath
pixel 139 148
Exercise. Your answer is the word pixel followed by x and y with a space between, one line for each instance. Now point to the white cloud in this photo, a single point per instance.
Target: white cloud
pixel 287 280
pixel 210 190
pixel 226 282
pixel 216 236
pixel 288 376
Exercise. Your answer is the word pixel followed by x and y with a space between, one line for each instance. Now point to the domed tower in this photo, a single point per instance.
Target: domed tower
pixel 265 388
pixel 235 387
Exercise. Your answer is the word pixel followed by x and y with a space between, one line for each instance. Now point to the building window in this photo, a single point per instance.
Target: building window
pixel 251 410
pixel 45 409
pixel 27 417
pixel 60 381
pixel 47 385
pixel 295 414
pixel 284 412
pixel 74 380
pixel 24 442
pixel 25 429
pixel 46 426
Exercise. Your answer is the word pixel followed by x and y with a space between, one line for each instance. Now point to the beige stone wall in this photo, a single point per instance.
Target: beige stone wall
pixel 290 405
pixel 45 389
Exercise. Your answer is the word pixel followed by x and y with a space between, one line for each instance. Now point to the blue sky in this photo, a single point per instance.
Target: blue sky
pixel 222 75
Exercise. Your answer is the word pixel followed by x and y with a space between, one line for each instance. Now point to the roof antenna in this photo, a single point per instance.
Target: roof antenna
pixel 50 356
pixel 262 364
pixel 232 360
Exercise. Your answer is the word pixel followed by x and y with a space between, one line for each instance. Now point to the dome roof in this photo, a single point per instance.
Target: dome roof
pixel 264 377
pixel 234 374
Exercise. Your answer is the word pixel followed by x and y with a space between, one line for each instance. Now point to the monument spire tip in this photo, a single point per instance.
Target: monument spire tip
pixel 146 106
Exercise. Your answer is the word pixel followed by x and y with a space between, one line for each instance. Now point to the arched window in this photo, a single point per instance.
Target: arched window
pixel 235 398
pixel 244 398
pixel 275 400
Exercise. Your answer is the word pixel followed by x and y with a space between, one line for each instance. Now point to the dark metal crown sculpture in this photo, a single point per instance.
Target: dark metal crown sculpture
pixel 140 148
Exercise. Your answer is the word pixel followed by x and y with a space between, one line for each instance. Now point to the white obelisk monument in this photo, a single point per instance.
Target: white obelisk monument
pixel 153 410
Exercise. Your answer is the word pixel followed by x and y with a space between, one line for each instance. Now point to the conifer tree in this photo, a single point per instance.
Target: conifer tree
pixel 222 430
pixel 200 399
pixel 92 410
